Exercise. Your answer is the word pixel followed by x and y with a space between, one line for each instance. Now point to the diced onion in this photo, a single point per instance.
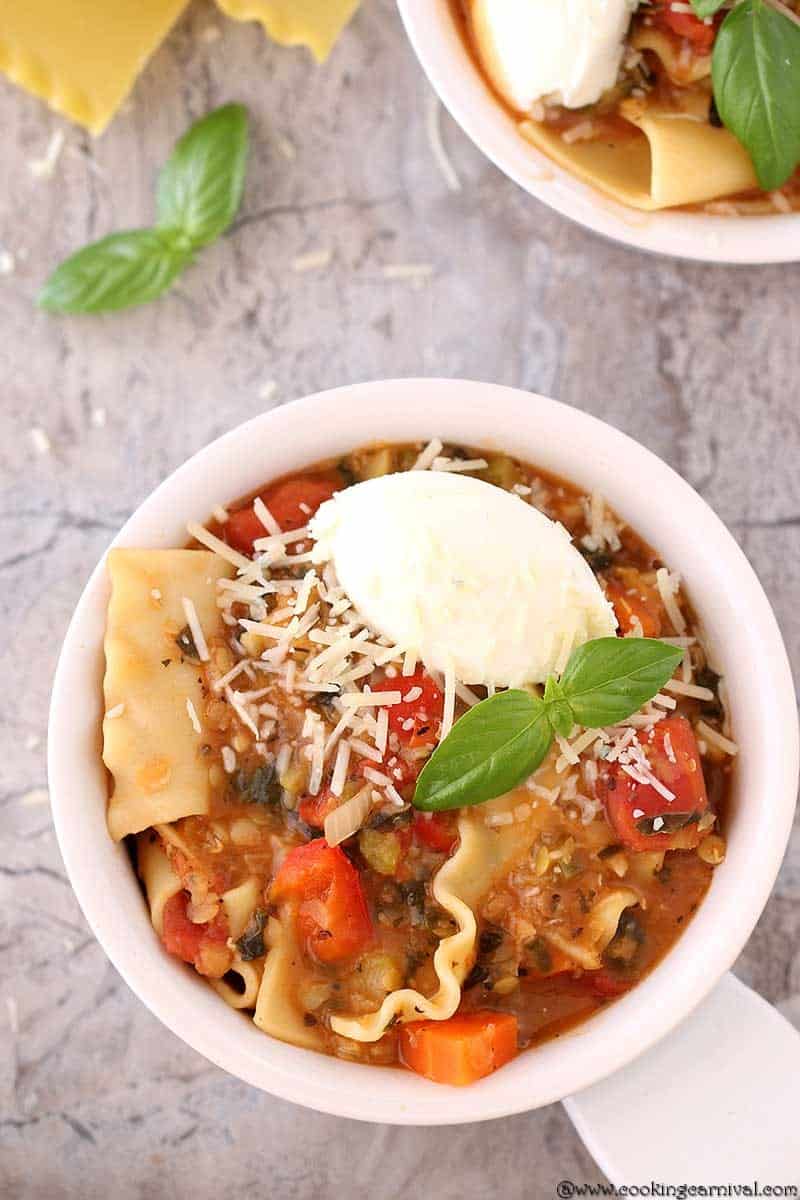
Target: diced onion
pixel 348 818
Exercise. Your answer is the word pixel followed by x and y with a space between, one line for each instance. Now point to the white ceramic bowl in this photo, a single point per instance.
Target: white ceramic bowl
pixel 739 622
pixel 440 49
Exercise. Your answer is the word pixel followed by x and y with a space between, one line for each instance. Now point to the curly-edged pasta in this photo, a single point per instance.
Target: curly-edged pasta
pixel 152 733
pixel 313 23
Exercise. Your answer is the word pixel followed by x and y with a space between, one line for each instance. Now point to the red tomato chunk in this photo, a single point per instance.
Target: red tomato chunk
pixel 602 983
pixel 437 831
pixel 191 942
pixel 314 809
pixel 634 609
pixel 416 722
pixel 292 503
pixel 331 912
pixel 687 25
pixel 628 803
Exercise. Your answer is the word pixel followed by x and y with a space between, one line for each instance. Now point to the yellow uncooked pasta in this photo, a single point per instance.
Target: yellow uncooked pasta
pixel 83 56
pixel 313 23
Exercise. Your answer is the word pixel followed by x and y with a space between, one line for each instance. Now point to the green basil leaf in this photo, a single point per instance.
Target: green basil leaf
pixel 200 187
pixel 559 713
pixel 489 750
pixel 706 8
pixel 121 270
pixel 608 679
pixel 756 74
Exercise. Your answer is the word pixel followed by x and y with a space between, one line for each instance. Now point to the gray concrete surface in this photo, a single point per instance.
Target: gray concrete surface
pixel 701 364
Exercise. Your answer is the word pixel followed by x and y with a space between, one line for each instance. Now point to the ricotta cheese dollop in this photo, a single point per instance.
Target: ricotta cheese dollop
pixel 568 50
pixel 469 577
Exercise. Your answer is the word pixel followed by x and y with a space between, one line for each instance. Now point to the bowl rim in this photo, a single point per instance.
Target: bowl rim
pixel 108 892
pixel 698 237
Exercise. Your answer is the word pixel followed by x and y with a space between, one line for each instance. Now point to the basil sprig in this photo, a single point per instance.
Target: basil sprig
pixel 199 193
pixel 755 71
pixel 500 741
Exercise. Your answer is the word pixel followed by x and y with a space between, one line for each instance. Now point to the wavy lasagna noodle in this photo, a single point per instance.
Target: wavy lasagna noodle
pixel 83 56
pixel 153 686
pixel 680 159
pixel 279 852
pixel 313 23
pixel 653 141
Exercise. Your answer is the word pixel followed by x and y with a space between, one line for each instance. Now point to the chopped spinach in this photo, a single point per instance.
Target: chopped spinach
pixel 346 471
pixel 391 820
pixel 490 940
pixel 414 896
pixel 624 946
pixel 322 702
pixel 261 786
pixel 598 560
pixel 540 953
pixel 478 974
pixel 709 679
pixel 251 944
pixel 667 822
pixel 186 644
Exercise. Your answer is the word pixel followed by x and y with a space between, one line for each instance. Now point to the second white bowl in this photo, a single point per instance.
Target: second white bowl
pixel 440 49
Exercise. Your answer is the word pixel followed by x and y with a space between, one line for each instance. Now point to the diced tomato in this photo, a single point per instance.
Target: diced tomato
pixel 634 606
pixel 332 917
pixel 461 1050
pixel 437 831
pixel 314 809
pixel 424 712
pixel 606 985
pixel 189 941
pixel 687 25
pixel 242 528
pixel 394 766
pixel 292 503
pixel 627 802
pixel 185 869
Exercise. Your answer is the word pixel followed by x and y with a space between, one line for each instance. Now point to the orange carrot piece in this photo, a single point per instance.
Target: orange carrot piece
pixel 461 1050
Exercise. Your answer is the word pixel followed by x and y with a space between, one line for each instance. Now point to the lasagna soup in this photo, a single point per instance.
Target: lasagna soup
pixel 658 103
pixel 365 737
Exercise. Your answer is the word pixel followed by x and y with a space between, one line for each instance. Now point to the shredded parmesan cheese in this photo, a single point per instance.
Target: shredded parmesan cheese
pixel 370 699
pixel 348 818
pixel 715 738
pixel 200 534
pixel 340 767
pixel 668 586
pixel 449 707
pixel 689 689
pixel 434 132
pixel 193 717
pixel 426 457
pixel 195 628
pixel 265 517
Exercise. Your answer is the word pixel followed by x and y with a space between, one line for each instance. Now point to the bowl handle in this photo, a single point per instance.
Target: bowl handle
pixel 714 1102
